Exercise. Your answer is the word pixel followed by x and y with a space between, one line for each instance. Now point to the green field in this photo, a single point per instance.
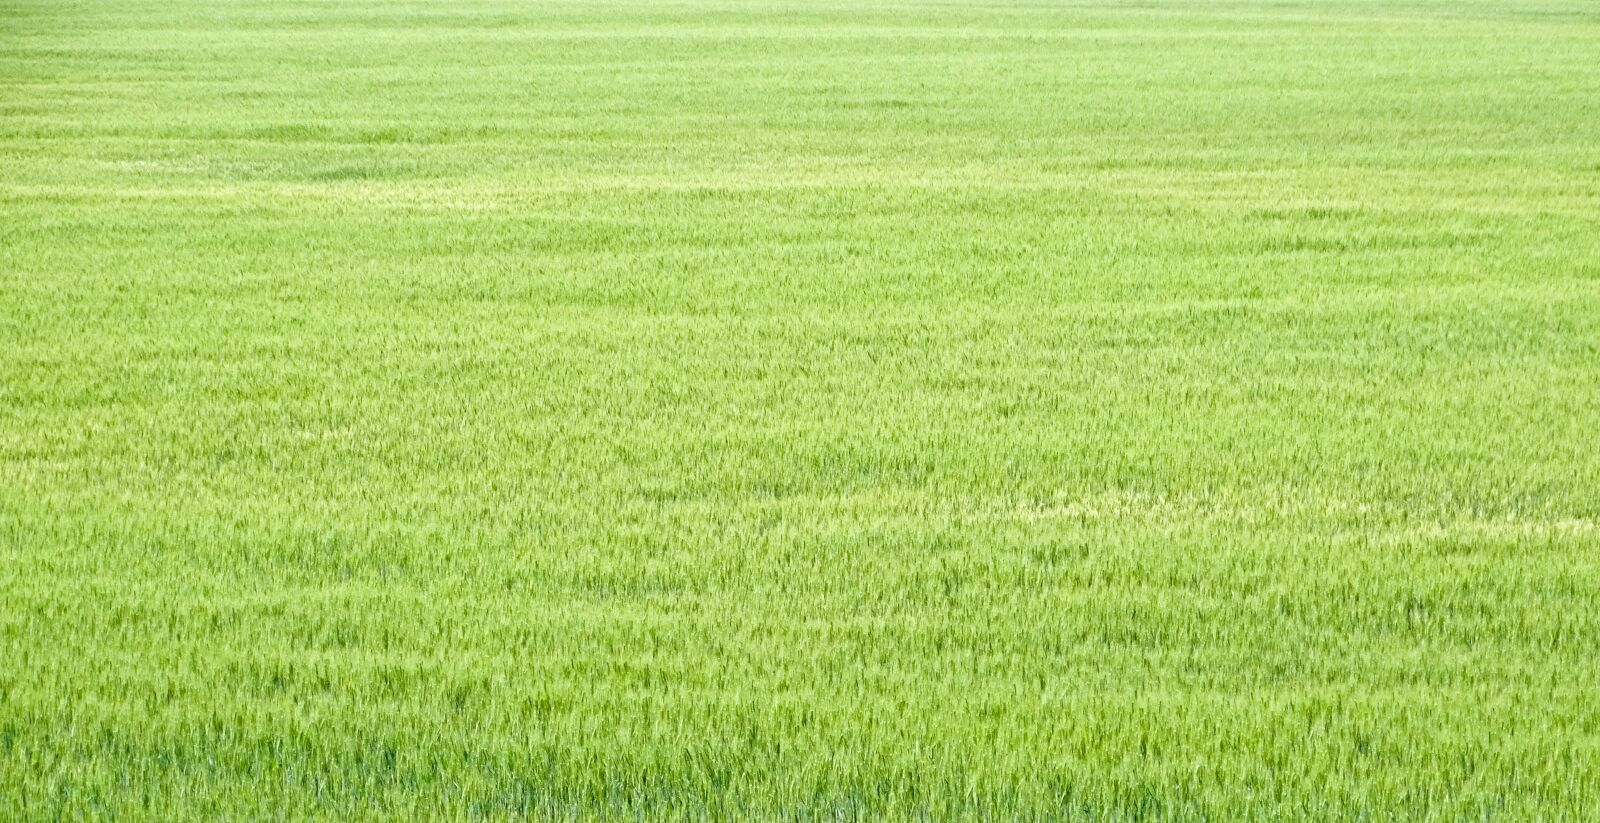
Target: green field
pixel 812 411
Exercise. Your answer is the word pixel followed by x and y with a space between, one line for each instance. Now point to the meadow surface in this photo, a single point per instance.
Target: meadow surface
pixel 781 410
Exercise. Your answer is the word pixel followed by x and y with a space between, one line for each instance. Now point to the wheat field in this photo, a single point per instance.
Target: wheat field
pixel 800 410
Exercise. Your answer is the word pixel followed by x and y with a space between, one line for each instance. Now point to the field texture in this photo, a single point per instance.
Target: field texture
pixel 1166 411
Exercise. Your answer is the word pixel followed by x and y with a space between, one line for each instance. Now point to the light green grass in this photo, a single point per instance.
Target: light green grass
pixel 1169 411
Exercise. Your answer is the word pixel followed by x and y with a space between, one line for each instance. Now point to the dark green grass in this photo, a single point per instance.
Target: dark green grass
pixel 812 411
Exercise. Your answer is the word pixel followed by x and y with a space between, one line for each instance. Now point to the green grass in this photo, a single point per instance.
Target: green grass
pixel 1163 411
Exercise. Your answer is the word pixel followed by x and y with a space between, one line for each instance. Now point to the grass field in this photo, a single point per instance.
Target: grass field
pixel 1159 411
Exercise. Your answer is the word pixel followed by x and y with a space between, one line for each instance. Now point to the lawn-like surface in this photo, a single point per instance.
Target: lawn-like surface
pixel 800 410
